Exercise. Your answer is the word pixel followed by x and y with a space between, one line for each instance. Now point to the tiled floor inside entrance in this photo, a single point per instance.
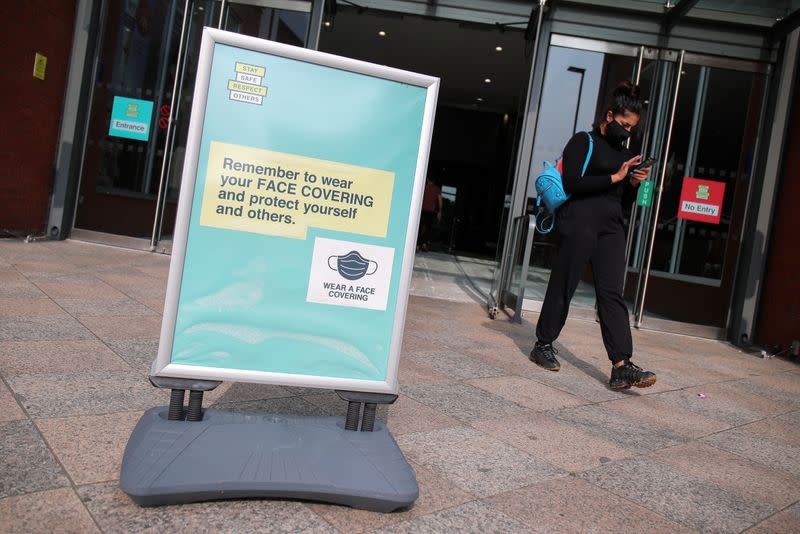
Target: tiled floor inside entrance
pixel 498 444
pixel 466 279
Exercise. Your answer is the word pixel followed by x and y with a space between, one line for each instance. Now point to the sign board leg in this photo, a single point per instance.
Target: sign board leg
pixel 370 400
pixel 176 404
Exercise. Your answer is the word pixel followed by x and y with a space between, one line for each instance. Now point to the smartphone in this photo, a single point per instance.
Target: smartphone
pixel 646 164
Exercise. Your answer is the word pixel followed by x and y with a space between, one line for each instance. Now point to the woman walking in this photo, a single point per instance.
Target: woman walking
pixel 591 228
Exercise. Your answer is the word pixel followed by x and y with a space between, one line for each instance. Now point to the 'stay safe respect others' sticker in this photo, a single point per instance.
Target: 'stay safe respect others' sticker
pixel 350 274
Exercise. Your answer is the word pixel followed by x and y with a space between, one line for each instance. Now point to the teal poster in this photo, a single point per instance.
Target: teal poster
pixel 299 220
pixel 130 118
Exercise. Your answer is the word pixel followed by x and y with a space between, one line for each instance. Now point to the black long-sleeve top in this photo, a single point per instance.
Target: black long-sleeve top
pixel 605 161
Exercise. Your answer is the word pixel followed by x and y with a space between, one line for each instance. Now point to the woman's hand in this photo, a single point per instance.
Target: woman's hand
pixel 624 169
pixel 640 175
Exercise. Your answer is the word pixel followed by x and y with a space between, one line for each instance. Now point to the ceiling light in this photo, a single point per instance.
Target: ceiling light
pixel 382 33
pixel 327 23
pixel 498 48
pixel 487 80
pixel 479 99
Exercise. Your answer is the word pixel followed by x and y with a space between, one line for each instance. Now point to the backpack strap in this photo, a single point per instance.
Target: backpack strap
pixel 588 153
pixel 542 218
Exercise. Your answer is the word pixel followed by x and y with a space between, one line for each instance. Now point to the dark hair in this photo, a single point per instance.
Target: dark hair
pixel 625 98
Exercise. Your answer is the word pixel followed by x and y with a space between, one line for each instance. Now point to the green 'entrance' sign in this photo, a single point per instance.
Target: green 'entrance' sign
pixel 645 196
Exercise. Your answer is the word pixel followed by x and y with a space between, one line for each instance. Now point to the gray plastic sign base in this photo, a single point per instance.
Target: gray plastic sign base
pixel 235 455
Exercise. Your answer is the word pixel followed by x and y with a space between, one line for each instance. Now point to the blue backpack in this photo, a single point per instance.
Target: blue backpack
pixel 550 189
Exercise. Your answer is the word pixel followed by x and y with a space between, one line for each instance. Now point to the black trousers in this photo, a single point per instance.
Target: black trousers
pixel 591 231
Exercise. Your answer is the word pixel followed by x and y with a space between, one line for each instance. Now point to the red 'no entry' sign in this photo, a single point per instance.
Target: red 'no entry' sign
pixel 701 200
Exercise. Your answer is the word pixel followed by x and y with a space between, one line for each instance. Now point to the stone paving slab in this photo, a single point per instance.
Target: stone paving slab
pixel 26 463
pixel 570 504
pixel 784 522
pixel 21 289
pixel 28 307
pixel 90 392
pixel 652 410
pixel 475 462
pixel 124 307
pixel 471 518
pixel 9 409
pixel 46 512
pixel 137 327
pixel 560 444
pixel 499 445
pixel 754 481
pixel 455 365
pixel 751 445
pixel 56 327
pixel 711 402
pixel 462 401
pixel 531 394
pixel 90 447
pixel 139 354
pixel 637 434
pixel 115 512
pixel 685 499
pixel 436 493
pixel 67 357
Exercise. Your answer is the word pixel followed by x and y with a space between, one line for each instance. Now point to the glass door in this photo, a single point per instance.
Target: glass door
pixel 144 73
pixel 124 149
pixel 689 255
pixel 580 76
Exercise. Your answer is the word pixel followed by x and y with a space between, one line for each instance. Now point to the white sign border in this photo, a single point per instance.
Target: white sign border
pixel 162 365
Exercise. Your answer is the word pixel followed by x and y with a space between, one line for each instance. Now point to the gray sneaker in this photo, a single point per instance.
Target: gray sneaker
pixel 544 355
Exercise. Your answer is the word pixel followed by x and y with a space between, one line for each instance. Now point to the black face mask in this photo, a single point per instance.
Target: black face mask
pixel 616 134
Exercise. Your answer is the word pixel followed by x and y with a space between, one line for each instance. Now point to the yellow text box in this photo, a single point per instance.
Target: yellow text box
pixel 276 193
pixel 255 70
pixel 242 87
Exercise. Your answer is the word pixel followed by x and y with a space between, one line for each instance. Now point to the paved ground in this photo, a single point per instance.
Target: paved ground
pixel 498 444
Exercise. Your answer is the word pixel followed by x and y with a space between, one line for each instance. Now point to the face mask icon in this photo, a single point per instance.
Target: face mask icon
pixel 352 265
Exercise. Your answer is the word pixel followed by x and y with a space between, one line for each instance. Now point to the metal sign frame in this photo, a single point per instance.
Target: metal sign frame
pixel 162 365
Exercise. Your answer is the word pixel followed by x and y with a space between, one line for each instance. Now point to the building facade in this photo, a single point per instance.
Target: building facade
pixel 96 136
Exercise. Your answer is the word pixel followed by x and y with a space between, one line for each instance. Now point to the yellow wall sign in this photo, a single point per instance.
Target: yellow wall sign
pixel 275 193
pixel 39 66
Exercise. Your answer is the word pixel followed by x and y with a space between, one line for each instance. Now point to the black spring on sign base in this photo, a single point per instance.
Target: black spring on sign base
pixel 368 422
pixel 195 412
pixel 353 409
pixel 176 405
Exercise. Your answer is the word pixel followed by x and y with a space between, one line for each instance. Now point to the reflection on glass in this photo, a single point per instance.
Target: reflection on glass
pixel 700 247
pixel 682 131
pixel 713 140
pixel 289 27
pixel 707 143
pixel 577 84
pixel 285 26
